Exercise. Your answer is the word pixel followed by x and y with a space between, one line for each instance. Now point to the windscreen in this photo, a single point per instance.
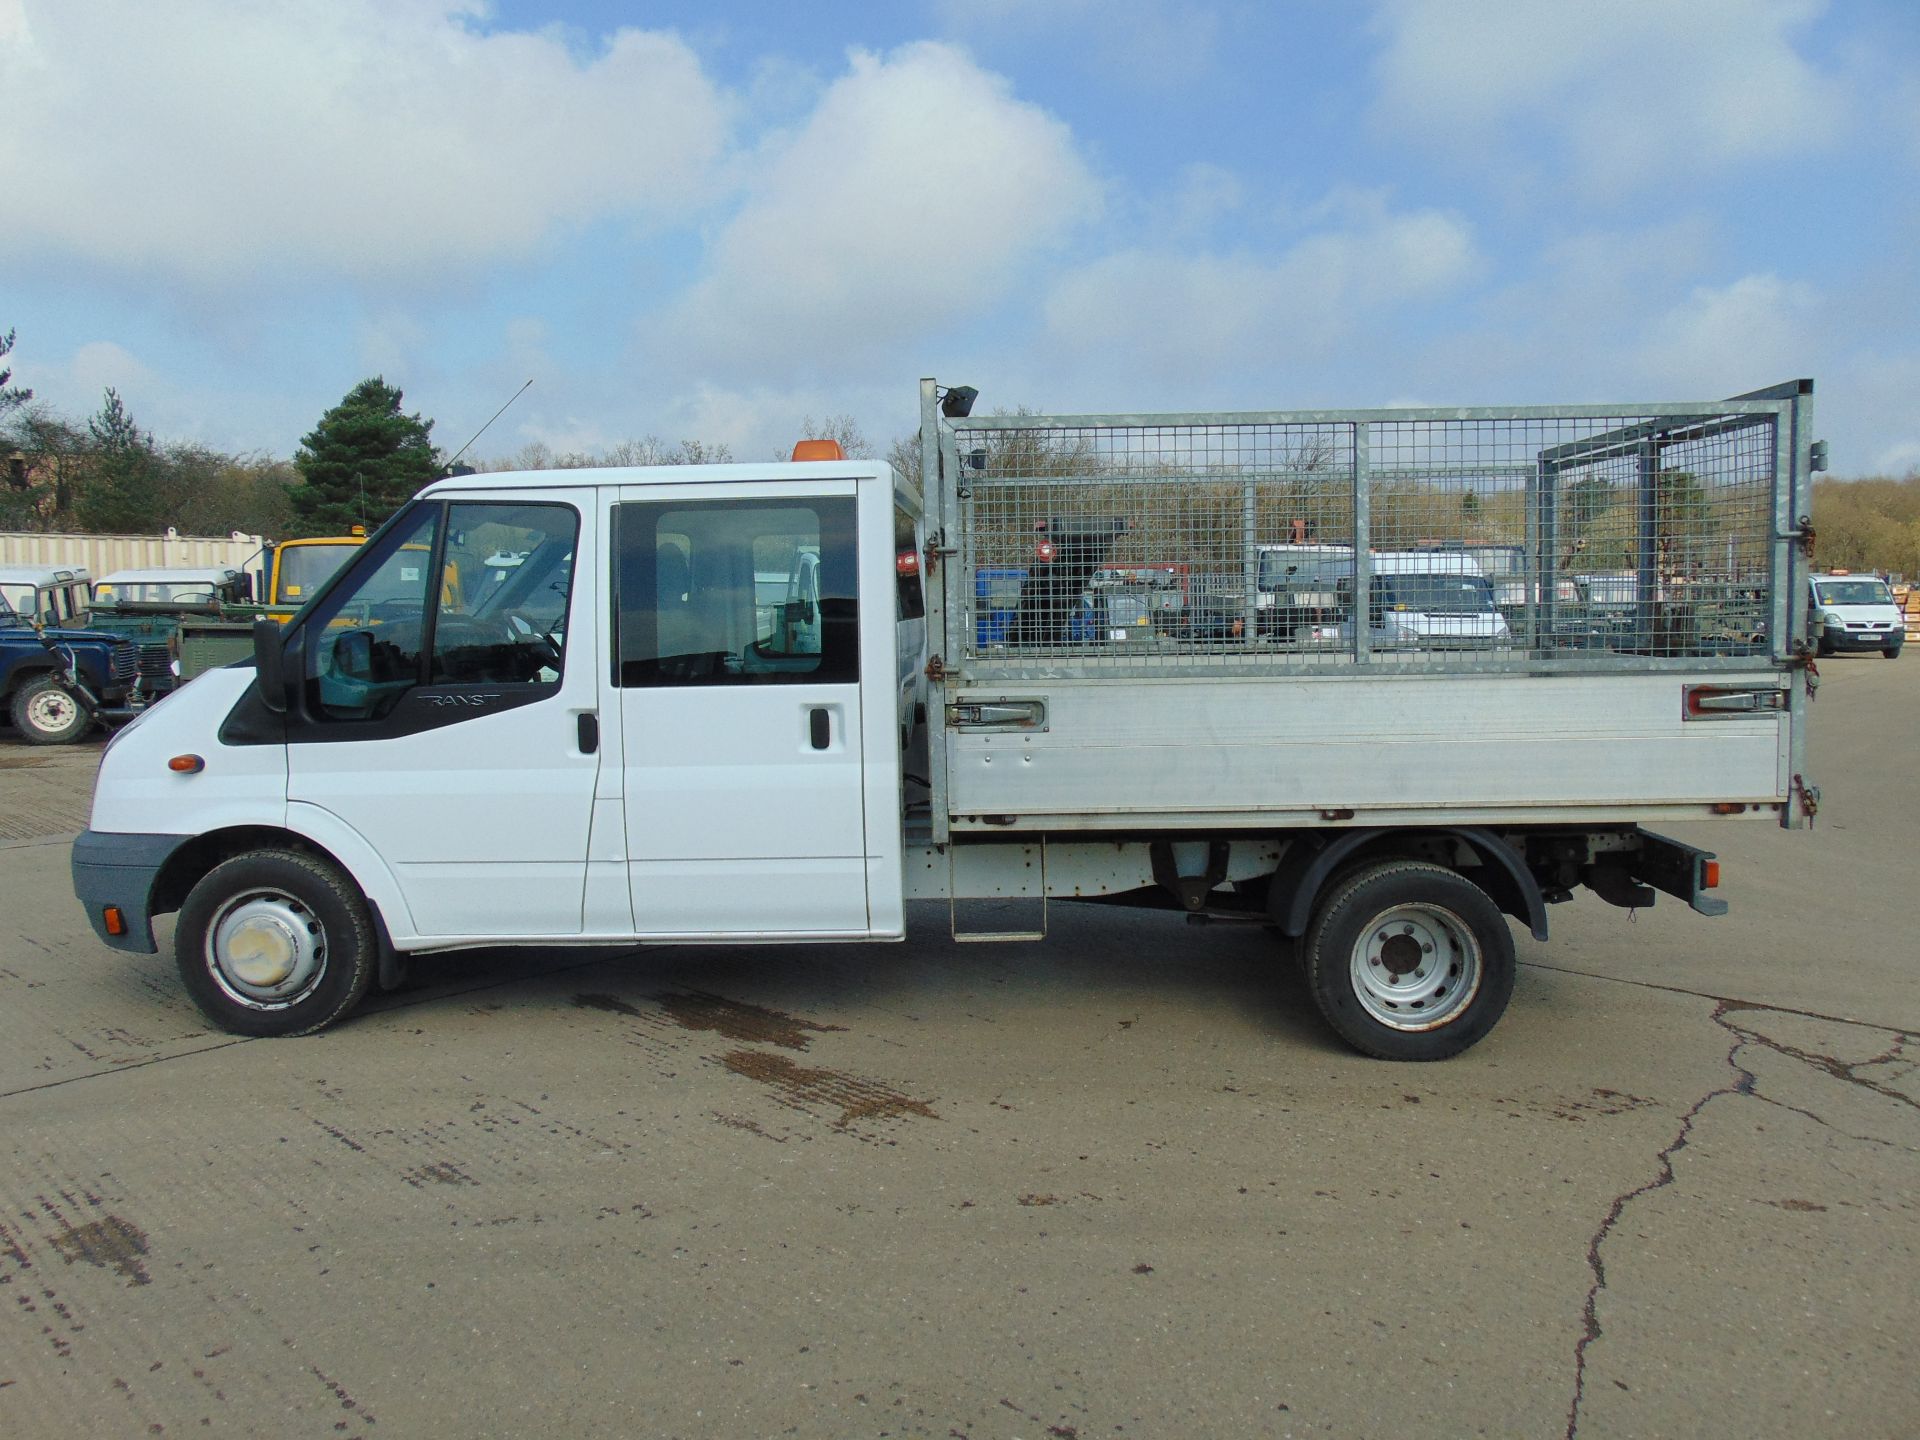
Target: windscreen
pixel 1439 594
pixel 305 568
pixel 1854 592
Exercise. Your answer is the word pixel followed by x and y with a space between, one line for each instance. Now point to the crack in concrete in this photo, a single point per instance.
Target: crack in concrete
pixel 1743 1083
pixel 1903 1032
pixel 1830 1065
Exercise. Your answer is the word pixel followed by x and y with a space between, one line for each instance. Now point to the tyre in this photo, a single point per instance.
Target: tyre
pixel 46 713
pixel 1409 960
pixel 275 942
pixel 1892 652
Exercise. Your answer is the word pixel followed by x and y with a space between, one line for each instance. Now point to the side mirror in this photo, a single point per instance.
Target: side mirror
pixel 269 663
pixel 243 589
pixel 353 655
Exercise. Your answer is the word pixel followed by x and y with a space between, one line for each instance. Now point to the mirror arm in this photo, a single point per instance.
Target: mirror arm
pixel 269 663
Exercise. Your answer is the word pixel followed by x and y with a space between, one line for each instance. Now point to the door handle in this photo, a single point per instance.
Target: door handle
pixel 820 727
pixel 588 731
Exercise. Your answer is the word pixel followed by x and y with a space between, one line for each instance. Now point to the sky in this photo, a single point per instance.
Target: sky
pixel 714 220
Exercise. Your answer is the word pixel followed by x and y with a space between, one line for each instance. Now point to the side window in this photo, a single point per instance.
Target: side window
pixel 737 593
pixel 363 641
pixel 480 599
pixel 506 577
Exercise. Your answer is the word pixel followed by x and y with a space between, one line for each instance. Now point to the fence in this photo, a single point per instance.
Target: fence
pixel 103 554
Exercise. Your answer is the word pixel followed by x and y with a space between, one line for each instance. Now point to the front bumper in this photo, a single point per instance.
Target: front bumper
pixel 118 871
pixel 1863 639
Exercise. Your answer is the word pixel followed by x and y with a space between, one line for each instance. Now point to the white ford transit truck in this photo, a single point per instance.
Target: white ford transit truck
pixel 754 703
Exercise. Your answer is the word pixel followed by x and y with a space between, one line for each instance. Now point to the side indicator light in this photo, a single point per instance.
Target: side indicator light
pixel 1710 875
pixel 186 764
pixel 116 923
pixel 1728 807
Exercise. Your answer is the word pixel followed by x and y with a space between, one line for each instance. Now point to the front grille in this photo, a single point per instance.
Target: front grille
pixel 126 661
pixel 156 669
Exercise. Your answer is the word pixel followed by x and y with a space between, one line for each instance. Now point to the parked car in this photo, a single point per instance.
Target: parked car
pixel 147 607
pixel 55 682
pixel 47 595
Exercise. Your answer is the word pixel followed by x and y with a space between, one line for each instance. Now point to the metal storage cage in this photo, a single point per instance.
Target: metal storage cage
pixel 1540 538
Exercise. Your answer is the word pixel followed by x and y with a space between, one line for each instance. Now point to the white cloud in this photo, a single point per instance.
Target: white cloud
pixel 171 402
pixel 1184 315
pixel 1638 92
pixel 207 140
pixel 1719 338
pixel 915 192
pixel 100 363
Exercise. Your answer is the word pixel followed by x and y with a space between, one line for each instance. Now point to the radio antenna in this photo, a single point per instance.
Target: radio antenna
pixel 448 467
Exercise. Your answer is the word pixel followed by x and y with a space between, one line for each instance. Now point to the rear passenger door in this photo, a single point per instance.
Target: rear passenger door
pixel 740 709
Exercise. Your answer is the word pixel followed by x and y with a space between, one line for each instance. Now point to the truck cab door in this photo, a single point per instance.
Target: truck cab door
pixel 752 777
pixel 449 739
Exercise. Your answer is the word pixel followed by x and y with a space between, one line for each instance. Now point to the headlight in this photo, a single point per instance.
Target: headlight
pixel 1832 617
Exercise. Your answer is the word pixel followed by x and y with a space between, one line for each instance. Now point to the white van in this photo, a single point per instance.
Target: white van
pixel 1424 600
pixel 1854 612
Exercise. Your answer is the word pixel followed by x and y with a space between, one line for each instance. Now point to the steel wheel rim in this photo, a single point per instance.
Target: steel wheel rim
pixel 1416 967
pixel 266 950
pixel 52 709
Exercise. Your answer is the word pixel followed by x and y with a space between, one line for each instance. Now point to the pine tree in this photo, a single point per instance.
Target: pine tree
pixel 12 397
pixel 122 491
pixel 361 462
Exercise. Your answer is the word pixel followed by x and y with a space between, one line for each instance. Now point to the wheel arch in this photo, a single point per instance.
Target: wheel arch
pixel 1305 871
pixel 191 863
pixel 22 673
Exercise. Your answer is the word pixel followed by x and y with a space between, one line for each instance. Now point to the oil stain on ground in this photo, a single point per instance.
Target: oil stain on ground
pixel 737 1020
pixel 731 1019
pixel 804 1088
pixel 109 1242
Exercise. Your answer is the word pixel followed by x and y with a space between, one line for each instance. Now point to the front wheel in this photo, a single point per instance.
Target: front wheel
pixel 1892 652
pixel 1409 961
pixel 45 712
pixel 275 942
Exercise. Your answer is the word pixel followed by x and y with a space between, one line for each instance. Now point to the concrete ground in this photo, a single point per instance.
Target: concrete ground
pixel 1121 1183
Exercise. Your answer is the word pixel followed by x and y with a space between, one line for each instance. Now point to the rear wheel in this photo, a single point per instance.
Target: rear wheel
pixel 47 713
pixel 275 942
pixel 1409 960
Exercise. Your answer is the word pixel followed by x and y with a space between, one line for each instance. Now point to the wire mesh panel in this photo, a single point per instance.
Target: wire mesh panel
pixel 1393 538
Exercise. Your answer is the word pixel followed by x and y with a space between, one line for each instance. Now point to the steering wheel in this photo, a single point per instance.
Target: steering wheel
pixel 546 643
